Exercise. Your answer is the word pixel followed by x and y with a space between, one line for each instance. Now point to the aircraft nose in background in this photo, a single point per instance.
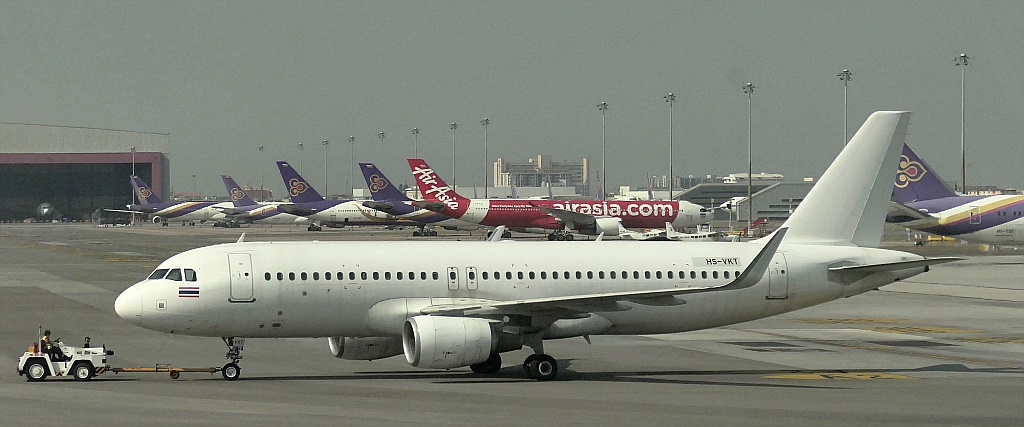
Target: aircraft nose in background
pixel 129 304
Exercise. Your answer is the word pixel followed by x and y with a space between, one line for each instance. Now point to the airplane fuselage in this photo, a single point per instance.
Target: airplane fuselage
pixel 316 289
pixel 995 220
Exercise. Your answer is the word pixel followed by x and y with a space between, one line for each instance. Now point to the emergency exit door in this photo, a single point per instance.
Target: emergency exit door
pixel 240 269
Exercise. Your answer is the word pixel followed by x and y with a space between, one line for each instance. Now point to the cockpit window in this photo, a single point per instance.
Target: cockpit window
pixel 190 275
pixel 174 274
pixel 158 274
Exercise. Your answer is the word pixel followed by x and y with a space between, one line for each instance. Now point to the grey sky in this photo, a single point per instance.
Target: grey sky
pixel 225 77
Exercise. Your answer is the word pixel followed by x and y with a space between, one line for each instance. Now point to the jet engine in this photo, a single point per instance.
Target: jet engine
pixel 364 348
pixel 609 226
pixel 448 342
pixel 157 220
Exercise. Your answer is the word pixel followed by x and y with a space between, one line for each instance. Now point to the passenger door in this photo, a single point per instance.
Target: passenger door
pixel 778 279
pixel 240 269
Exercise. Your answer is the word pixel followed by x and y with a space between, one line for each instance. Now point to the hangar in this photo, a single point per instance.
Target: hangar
pixel 78 171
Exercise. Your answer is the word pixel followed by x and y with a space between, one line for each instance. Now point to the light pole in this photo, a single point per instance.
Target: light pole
pixel 325 143
pixel 352 165
pixel 453 126
pixel 132 199
pixel 381 136
pixel 485 122
pixel 260 149
pixel 670 99
pixel 961 61
pixel 603 175
pixel 195 193
pixel 845 76
pixel 416 141
pixel 749 90
pixel 300 158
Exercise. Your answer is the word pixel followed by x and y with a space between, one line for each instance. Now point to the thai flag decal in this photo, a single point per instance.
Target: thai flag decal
pixel 188 292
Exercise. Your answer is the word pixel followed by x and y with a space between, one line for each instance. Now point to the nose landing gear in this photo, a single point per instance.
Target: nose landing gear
pixel 231 371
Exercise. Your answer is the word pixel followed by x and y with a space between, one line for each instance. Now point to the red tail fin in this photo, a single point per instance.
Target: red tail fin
pixel 432 187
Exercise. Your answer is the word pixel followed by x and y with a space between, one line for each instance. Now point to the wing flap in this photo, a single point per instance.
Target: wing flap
pixel 893 266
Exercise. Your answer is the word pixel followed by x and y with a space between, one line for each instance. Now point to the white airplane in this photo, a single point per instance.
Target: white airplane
pixel 450 304
pixel 670 233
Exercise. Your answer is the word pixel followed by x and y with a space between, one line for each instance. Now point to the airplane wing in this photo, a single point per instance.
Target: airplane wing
pixel 123 210
pixel 231 211
pixel 610 301
pixel 900 210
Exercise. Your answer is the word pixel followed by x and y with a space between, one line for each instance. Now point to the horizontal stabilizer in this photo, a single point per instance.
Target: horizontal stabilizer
pixel 900 210
pixel 893 266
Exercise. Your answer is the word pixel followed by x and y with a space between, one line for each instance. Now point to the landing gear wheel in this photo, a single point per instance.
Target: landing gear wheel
pixel 82 371
pixel 569 237
pixel 506 234
pixel 433 233
pixel 489 366
pixel 543 368
pixel 416 234
pixel 35 371
pixel 231 371
pixel 176 374
pixel 552 237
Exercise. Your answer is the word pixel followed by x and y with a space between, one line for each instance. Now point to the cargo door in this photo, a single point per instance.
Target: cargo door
pixel 240 269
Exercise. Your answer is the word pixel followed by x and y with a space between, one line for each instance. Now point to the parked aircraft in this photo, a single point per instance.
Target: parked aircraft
pixel 705 234
pixel 554 217
pixel 921 201
pixel 446 304
pixel 387 198
pixel 161 212
pixel 245 210
pixel 307 202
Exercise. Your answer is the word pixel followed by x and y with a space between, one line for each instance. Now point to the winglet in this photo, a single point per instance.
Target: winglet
pixel 753 273
pixel 496 234
pixel 241 239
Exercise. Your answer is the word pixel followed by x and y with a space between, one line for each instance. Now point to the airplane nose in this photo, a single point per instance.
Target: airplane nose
pixel 128 305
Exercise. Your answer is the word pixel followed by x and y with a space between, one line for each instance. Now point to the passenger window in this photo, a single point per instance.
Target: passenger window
pixel 543 275
pixel 520 275
pixel 399 276
pixel 362 275
pixel 714 274
pixel 508 275
pixel 484 275
pixel 579 275
pixel 647 275
pixel 376 275
pixel 669 274
pixel 423 275
pixel 726 274
pixel 693 274
pixel 611 274
pixel 174 274
pixel 657 274
pixel 266 276
pixel 590 274
pixel 327 275
pixel 625 274
pixel 703 275
pixel 316 275
pixel 566 276
pixel 737 274
pixel 412 276
pixel 387 275
pixel 533 275
pixel 636 274
pixel 291 276
pixel 682 274
pixel 280 275
pixel 158 274
pixel 451 275
pixel 435 275
pixel 472 275
pixel 190 275
pixel 600 274
pixel 351 275
pixel 554 275
pixel 304 276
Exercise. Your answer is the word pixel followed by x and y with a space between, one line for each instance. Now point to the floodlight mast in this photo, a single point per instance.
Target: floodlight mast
pixel 485 122
pixel 962 62
pixel 603 175
pixel 671 99
pixel 749 90
pixel 453 126
pixel 846 76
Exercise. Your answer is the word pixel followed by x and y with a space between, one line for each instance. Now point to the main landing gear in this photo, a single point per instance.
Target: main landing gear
pixel 231 371
pixel 560 235
pixel 314 227
pixel 424 232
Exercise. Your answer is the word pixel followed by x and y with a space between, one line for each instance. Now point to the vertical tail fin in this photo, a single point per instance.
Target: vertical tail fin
pixel 849 202
pixel 432 187
pixel 298 188
pixel 380 186
pixel 915 180
pixel 143 192
pixel 238 196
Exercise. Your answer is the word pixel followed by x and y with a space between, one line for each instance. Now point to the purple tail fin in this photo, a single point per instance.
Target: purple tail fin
pixel 238 196
pixel 298 188
pixel 380 186
pixel 143 192
pixel 915 180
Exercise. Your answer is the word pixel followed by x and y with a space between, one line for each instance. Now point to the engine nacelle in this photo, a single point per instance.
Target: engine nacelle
pixel 608 226
pixel 364 348
pixel 157 220
pixel 440 342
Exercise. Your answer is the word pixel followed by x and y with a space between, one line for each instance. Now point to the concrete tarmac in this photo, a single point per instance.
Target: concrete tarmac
pixel 943 348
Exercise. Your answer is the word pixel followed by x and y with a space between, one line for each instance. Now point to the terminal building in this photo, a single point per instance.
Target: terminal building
pixel 76 171
pixel 541 171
